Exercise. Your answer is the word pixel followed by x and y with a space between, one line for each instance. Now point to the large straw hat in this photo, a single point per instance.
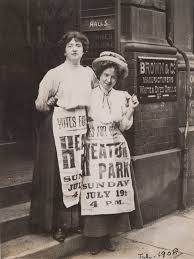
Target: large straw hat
pixel 112 57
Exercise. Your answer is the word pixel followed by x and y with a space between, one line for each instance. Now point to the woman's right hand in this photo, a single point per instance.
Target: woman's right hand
pixel 52 101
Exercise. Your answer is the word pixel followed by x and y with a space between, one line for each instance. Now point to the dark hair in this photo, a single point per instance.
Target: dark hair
pixel 108 64
pixel 67 37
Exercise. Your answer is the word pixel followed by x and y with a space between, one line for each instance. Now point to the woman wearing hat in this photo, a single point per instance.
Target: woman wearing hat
pixel 107 194
pixel 64 94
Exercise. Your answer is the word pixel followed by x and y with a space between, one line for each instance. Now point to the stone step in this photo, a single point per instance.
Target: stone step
pixel 14 221
pixel 15 179
pixel 41 247
pixel 15 194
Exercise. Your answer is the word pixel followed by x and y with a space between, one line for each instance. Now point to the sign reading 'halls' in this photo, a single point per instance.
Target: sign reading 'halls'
pixel 98 23
pixel 156 79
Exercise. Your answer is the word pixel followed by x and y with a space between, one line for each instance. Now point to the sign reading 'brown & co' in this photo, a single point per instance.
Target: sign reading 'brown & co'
pixel 156 79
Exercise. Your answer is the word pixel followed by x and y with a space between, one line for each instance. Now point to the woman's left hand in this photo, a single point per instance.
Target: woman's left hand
pixel 133 101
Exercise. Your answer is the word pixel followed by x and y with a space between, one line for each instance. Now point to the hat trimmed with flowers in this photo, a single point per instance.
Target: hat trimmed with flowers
pixel 114 58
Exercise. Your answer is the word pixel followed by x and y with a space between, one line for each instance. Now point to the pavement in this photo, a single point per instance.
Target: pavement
pixel 169 237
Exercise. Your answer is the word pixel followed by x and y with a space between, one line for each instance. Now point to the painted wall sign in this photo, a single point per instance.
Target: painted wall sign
pixel 97 23
pixel 100 41
pixel 156 79
pixel 181 99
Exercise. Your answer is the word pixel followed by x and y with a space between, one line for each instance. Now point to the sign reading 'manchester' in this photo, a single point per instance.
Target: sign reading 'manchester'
pixel 156 79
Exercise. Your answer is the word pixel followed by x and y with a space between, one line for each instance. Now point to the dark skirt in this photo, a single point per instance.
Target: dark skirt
pixel 102 225
pixel 47 209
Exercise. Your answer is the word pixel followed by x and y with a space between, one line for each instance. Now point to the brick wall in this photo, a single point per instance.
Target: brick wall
pixel 155 127
pixel 155 124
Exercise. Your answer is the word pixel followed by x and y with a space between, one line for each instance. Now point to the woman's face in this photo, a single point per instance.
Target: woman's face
pixel 108 78
pixel 74 51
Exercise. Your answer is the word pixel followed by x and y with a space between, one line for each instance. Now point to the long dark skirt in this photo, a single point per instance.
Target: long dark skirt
pixel 47 209
pixel 102 225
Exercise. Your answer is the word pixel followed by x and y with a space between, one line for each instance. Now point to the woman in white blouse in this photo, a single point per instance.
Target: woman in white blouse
pixel 64 93
pixel 107 193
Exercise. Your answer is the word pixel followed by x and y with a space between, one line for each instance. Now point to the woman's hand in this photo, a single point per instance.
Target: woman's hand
pixel 51 101
pixel 132 101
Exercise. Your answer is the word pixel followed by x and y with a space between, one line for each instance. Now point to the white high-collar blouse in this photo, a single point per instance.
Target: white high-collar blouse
pixel 71 85
pixel 110 107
